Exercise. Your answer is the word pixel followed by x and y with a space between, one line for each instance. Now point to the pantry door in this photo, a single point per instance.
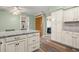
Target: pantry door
pixel 38 24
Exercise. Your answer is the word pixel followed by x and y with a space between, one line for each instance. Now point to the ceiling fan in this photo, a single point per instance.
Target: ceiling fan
pixel 16 10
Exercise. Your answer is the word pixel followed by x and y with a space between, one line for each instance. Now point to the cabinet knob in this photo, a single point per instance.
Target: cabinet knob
pixel 17 44
pixel 0 42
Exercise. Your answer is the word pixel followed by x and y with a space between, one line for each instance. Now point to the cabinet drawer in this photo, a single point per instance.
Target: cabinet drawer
pixel 2 40
pixel 34 34
pixel 21 37
pixel 33 40
pixel 16 38
pixel 10 39
pixel 34 47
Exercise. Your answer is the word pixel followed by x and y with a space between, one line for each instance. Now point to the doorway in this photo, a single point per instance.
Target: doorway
pixel 38 24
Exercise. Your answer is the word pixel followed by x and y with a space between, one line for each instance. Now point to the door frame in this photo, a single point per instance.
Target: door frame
pixel 41 24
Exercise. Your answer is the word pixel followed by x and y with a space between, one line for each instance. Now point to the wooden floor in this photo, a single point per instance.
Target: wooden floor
pixel 50 46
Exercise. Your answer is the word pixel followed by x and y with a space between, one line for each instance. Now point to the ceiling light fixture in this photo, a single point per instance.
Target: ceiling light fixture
pixel 15 11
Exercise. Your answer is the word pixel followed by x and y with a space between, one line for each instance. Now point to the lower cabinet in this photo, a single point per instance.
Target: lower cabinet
pixel 2 45
pixel 77 43
pixel 33 42
pixel 22 43
pixel 11 46
pixel 68 38
pixel 20 46
pixel 71 39
pixel 75 40
pixel 16 46
pixel 33 47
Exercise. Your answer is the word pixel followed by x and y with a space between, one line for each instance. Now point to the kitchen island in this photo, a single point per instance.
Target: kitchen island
pixel 19 41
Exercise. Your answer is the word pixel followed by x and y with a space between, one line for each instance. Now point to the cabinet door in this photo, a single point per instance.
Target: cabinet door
pixel 11 46
pixel 76 14
pixel 53 31
pixel 76 40
pixel 53 28
pixel 67 38
pixel 77 43
pixel 34 47
pixel 2 45
pixel 69 14
pixel 59 17
pixel 23 40
pixel 20 46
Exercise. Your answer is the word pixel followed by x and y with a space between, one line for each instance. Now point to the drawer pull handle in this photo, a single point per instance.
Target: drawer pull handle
pixel 0 42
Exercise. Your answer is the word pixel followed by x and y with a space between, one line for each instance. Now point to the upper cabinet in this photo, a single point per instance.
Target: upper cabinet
pixel 24 22
pixel 71 14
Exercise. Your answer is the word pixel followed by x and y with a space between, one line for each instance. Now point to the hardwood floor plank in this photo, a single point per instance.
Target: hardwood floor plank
pixel 50 46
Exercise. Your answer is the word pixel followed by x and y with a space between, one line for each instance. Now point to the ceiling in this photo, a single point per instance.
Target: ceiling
pixel 32 10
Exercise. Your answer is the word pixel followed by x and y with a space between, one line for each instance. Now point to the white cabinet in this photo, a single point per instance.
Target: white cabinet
pixel 11 46
pixel 77 43
pixel 2 45
pixel 33 42
pixel 69 15
pixel 20 46
pixel 53 27
pixel 71 39
pixel 75 40
pixel 59 18
pixel 20 43
pixel 56 27
pixel 33 47
pixel 76 14
pixel 15 46
pixel 54 31
pixel 68 38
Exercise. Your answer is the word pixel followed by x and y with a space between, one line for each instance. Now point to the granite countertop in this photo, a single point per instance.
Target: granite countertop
pixel 16 33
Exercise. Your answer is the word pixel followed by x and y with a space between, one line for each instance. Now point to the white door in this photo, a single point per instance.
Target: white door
pixel 20 46
pixel 11 46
